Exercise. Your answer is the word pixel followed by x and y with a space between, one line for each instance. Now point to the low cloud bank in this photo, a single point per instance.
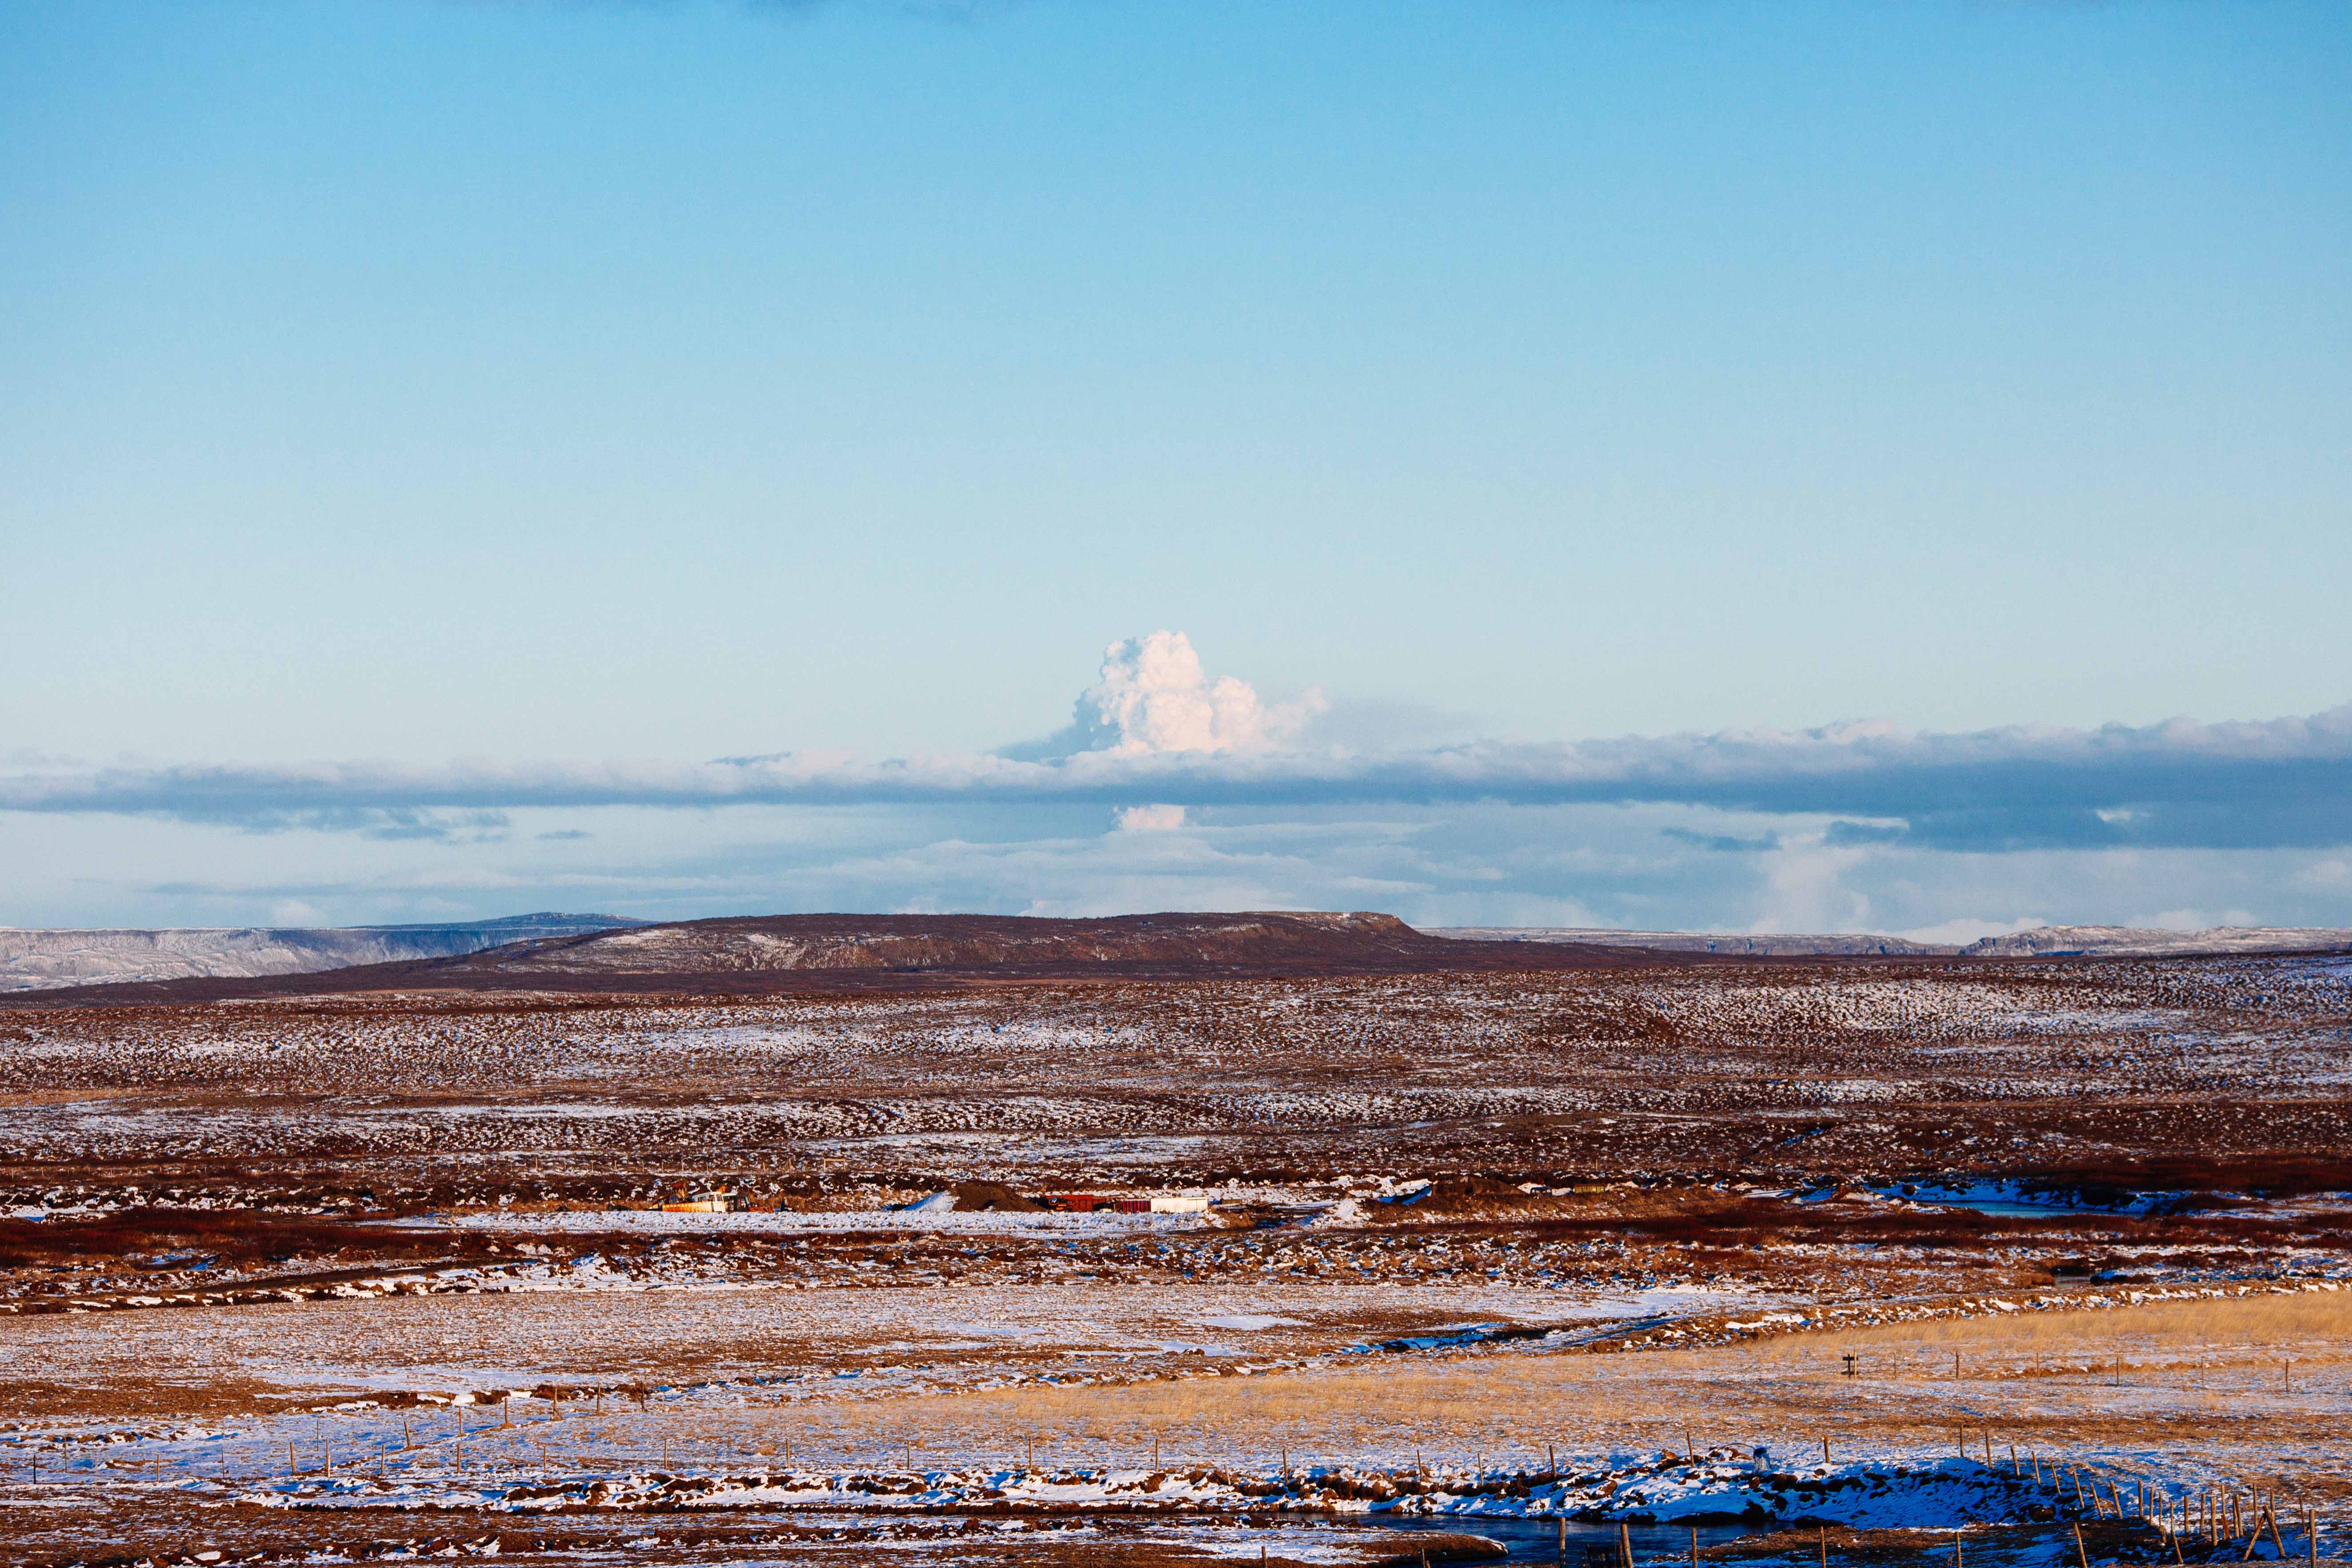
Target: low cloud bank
pixel 2277 783
pixel 1155 736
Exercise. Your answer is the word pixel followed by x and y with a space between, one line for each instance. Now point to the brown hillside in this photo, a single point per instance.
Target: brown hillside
pixel 898 952
pixel 967 943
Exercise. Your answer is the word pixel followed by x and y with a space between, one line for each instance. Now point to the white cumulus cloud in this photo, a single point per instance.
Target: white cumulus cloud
pixel 1153 698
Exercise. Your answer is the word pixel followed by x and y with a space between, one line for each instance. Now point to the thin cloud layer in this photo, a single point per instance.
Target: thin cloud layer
pixel 1453 865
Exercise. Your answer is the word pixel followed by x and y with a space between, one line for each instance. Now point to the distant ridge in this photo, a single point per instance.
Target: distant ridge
pixel 961 942
pixel 802 954
pixel 1833 945
pixel 770 954
pixel 2133 942
pixel 2044 942
pixel 34 960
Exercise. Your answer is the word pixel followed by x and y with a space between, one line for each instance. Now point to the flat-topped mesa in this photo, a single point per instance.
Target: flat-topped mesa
pixel 775 954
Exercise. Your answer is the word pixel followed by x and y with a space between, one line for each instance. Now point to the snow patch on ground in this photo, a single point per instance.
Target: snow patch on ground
pixel 631 1222
pixel 1250 1322
pixel 1722 1486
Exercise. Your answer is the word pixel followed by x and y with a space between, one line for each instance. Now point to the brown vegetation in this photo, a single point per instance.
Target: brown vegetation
pixel 1719 1149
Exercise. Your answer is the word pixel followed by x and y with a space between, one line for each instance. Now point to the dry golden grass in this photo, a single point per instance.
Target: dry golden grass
pixel 2200 1379
pixel 2315 1327
pixel 2202 1373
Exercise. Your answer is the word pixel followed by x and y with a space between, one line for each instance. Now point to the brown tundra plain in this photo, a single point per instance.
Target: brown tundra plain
pixel 1776 1261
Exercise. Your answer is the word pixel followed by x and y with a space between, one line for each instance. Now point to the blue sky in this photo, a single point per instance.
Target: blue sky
pixel 453 406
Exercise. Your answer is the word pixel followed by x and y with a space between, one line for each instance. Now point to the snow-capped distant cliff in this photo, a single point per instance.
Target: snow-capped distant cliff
pixel 2135 941
pixel 39 960
pixel 2044 942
